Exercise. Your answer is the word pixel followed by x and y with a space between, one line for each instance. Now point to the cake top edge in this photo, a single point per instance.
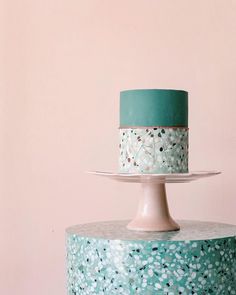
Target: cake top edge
pixel 153 89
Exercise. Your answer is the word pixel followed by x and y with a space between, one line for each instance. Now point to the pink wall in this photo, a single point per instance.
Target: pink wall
pixel 62 65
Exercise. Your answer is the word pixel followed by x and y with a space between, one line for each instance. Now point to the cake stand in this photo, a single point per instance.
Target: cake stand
pixel 105 258
pixel 153 212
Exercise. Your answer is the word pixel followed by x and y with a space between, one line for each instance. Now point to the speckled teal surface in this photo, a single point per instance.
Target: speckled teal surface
pixel 154 107
pixel 153 150
pixel 106 258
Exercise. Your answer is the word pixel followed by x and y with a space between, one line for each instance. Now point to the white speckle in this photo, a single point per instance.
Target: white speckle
pixel 158 286
pixel 177 256
pixel 150 272
pixel 180 271
pixel 172 247
pixel 164 276
pixel 193 275
pixel 150 259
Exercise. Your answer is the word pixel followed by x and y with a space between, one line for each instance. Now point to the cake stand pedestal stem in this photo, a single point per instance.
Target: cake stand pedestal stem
pixel 153 212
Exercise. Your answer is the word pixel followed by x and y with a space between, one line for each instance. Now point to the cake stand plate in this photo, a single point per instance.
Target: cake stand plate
pixel 153 212
pixel 156 178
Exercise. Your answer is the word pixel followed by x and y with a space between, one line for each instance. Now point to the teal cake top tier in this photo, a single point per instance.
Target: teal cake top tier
pixel 153 107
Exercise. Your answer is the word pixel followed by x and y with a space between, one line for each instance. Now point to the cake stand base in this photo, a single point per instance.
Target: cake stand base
pixel 153 212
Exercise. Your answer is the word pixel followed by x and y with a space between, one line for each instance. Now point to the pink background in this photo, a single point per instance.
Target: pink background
pixel 62 65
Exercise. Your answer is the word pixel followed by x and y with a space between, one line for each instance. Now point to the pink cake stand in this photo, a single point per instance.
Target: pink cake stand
pixel 153 212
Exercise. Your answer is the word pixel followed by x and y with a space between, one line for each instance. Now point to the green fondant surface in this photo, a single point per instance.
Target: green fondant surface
pixel 154 107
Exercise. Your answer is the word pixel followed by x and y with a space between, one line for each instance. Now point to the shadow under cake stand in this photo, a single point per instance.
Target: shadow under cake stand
pixel 153 211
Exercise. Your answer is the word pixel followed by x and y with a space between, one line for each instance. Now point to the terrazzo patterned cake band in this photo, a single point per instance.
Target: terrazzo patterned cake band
pixel 154 150
pixel 107 259
pixel 153 131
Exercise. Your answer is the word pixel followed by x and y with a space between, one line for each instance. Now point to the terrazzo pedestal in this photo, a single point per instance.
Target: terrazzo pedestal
pixel 107 258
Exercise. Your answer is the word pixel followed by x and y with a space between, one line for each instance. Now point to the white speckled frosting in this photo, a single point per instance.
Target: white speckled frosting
pixel 153 150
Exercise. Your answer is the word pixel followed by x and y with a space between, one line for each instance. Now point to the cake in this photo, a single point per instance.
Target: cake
pixel 153 131
pixel 107 258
